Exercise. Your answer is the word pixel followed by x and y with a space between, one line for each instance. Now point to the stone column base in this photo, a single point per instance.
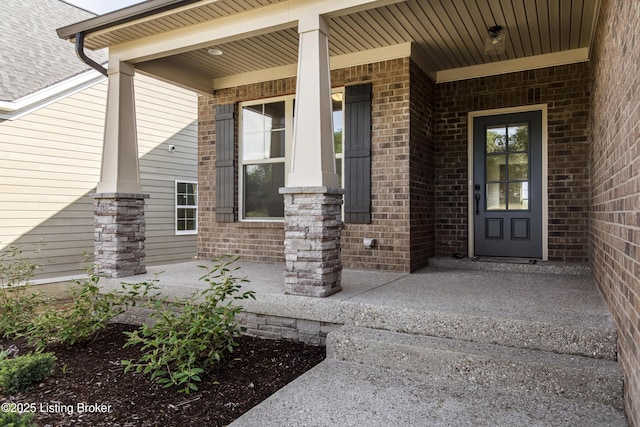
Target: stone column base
pixel 119 234
pixel 312 227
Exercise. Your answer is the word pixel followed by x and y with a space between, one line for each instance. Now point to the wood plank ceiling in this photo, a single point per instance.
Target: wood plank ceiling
pixel 451 33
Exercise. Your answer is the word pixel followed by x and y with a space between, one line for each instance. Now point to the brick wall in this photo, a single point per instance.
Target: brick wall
pixel 565 90
pixel 615 175
pixel 422 167
pixel 390 169
pixel 262 242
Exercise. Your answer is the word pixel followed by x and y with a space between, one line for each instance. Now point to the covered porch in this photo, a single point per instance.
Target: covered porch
pixel 457 342
pixel 548 305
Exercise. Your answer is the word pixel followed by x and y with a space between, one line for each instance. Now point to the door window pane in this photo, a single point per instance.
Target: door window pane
pixel 518 196
pixel 518 166
pixel 496 196
pixel 496 139
pixel 507 167
pixel 496 167
pixel 519 137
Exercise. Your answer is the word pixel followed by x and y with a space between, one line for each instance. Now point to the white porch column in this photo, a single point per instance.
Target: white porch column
pixel 313 163
pixel 312 218
pixel 120 171
pixel 119 203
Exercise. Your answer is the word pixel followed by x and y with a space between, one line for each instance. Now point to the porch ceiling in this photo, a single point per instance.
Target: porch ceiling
pixel 446 34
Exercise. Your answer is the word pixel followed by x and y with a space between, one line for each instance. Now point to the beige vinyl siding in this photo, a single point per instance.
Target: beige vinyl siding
pixel 50 163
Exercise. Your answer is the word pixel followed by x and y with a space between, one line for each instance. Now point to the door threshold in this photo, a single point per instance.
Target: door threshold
pixel 507 260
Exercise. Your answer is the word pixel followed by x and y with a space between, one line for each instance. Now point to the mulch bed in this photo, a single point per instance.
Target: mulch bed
pixel 91 374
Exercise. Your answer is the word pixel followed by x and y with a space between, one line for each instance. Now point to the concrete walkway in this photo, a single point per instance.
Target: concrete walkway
pixel 457 343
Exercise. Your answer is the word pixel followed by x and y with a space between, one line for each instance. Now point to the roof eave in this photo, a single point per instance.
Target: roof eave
pixel 121 16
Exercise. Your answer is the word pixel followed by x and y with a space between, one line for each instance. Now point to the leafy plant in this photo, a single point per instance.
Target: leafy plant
pixel 23 372
pixel 15 419
pixel 18 302
pixel 192 334
pixel 89 313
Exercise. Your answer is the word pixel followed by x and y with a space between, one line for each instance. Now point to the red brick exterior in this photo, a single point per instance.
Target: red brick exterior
pixel 389 169
pixel 422 168
pixel 565 90
pixel 390 165
pixel 615 181
pixel 419 164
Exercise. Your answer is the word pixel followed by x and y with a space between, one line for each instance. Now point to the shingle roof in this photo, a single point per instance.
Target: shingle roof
pixel 32 56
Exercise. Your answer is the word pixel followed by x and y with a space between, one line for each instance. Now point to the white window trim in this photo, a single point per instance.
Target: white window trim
pixel 176 207
pixel 288 148
pixel 289 122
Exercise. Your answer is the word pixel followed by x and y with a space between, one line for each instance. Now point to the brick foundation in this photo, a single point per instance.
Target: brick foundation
pixel 312 226
pixel 119 234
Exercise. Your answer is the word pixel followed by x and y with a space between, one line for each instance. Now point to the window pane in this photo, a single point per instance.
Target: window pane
pixel 496 139
pixel 518 196
pixel 518 166
pixel 496 196
pixel 274 116
pixel 253 146
pixel 252 119
pixel 339 170
pixel 275 144
pixel 261 185
pixel 187 195
pixel 496 167
pixel 519 137
pixel 186 219
pixel 336 101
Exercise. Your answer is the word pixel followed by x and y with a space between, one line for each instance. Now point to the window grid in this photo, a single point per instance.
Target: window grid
pixel 186 209
pixel 265 153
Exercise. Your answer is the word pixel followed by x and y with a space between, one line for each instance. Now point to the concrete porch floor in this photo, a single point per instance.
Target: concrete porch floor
pixel 548 306
pixel 456 343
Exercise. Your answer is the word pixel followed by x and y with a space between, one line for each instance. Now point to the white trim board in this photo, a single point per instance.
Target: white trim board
pixel 12 110
pixel 514 65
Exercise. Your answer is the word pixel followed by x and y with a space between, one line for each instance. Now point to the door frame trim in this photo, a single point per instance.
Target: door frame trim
pixel 545 160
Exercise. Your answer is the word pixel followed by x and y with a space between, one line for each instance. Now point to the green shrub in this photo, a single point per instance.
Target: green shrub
pixel 191 334
pixel 14 419
pixel 89 313
pixel 23 372
pixel 18 302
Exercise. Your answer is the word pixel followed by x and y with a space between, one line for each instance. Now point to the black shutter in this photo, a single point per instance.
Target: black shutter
pixel 225 163
pixel 357 154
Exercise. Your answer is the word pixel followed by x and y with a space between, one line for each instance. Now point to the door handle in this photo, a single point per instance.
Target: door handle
pixel 477 199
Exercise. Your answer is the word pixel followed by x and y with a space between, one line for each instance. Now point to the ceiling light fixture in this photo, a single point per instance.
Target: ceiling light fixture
pixel 494 43
pixel 214 51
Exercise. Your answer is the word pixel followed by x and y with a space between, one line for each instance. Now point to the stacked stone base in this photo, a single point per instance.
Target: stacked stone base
pixel 119 234
pixel 312 227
